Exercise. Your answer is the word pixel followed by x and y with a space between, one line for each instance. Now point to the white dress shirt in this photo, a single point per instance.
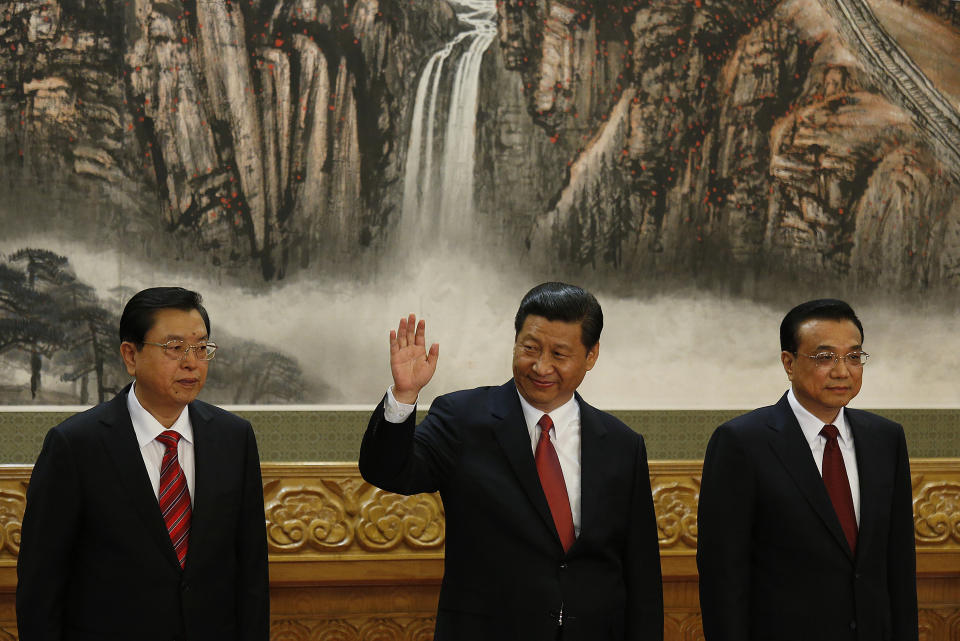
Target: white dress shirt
pixel 147 429
pixel 565 436
pixel 811 426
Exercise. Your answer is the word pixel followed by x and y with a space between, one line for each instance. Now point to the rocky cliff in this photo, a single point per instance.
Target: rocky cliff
pixel 264 130
pixel 741 144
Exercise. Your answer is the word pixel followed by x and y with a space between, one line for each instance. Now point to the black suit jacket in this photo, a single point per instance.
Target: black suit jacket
pixel 506 574
pixel 96 562
pixel 774 563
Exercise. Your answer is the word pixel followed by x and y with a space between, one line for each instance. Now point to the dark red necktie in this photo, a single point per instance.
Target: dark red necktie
pixel 554 487
pixel 174 496
pixel 838 485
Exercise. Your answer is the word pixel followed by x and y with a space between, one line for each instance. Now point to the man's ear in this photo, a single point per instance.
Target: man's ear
pixel 592 355
pixel 789 360
pixel 129 353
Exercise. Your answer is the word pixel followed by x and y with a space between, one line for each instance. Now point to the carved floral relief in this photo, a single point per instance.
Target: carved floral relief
pixel 676 507
pixel 12 504
pixel 936 513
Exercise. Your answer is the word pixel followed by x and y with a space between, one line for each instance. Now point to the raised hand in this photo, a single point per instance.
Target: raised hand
pixel 412 366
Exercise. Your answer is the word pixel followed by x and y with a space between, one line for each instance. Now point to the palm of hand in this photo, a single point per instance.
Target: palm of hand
pixel 410 367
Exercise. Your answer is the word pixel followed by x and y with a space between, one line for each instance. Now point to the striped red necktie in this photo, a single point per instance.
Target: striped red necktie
pixel 554 487
pixel 174 496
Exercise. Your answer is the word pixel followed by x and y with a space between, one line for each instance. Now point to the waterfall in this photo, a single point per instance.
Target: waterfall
pixel 438 196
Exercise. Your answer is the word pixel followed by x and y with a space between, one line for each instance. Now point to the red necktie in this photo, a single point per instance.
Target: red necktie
pixel 555 489
pixel 838 485
pixel 174 496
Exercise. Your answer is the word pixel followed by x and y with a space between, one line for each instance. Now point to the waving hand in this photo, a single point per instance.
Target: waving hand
pixel 412 366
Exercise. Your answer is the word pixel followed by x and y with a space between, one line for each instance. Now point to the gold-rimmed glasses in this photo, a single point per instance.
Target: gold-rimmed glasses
pixel 831 359
pixel 177 350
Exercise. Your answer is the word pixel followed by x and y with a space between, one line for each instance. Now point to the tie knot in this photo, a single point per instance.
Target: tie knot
pixel 169 439
pixel 830 432
pixel 545 422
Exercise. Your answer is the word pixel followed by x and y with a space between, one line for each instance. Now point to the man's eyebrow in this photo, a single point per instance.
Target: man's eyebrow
pixel 833 349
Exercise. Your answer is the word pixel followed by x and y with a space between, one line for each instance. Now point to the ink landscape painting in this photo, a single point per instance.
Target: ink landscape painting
pixel 319 168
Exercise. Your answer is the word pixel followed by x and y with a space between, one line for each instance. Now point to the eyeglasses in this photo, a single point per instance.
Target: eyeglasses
pixel 177 350
pixel 830 359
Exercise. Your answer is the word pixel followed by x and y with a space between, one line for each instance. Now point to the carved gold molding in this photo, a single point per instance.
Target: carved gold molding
pixel 327 511
pixel 343 513
pixel 675 503
pixel 370 629
pixel 936 511
pixel 12 502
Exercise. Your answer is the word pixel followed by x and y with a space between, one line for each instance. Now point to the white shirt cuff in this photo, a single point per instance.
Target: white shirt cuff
pixel 394 411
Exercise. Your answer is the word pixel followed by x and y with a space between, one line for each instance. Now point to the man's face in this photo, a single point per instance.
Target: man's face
pixel 164 385
pixel 823 390
pixel 550 361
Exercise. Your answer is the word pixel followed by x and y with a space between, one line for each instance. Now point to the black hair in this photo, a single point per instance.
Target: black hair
pixel 563 302
pixel 138 315
pixel 819 309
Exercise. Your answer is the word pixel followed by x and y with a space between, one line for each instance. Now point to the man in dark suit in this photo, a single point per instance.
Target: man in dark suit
pixel 805 524
pixel 145 521
pixel 551 532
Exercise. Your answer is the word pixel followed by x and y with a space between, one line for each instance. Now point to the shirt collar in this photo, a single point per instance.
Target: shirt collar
pixel 562 416
pixel 147 428
pixel 811 425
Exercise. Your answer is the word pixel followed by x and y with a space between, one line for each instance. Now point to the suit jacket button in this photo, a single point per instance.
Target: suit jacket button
pixel 853 625
pixel 563 566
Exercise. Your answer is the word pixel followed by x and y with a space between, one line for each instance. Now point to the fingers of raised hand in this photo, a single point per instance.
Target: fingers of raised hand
pixel 412 328
pixel 419 336
pixel 405 331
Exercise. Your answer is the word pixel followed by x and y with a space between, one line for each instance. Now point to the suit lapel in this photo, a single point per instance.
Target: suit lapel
pixel 593 461
pixel 793 451
pixel 204 475
pixel 120 442
pixel 868 451
pixel 511 433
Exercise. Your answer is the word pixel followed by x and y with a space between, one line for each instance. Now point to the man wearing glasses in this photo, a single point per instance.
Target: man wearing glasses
pixel 805 523
pixel 144 516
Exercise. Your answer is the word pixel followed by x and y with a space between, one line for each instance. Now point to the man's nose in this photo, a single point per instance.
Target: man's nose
pixel 840 368
pixel 544 363
pixel 190 359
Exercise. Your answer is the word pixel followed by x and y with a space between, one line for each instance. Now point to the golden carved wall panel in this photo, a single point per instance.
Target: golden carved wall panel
pixel 676 506
pixel 318 510
pixel 936 624
pixel 388 520
pixel 369 629
pixel 12 503
pixel 936 509
pixel 350 562
pixel 310 512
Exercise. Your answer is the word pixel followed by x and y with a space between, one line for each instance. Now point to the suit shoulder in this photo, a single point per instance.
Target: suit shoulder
pixel 745 429
pixel 463 402
pixel 465 396
pixel 611 423
pixel 82 421
pixel 751 421
pixel 874 421
pixel 220 415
